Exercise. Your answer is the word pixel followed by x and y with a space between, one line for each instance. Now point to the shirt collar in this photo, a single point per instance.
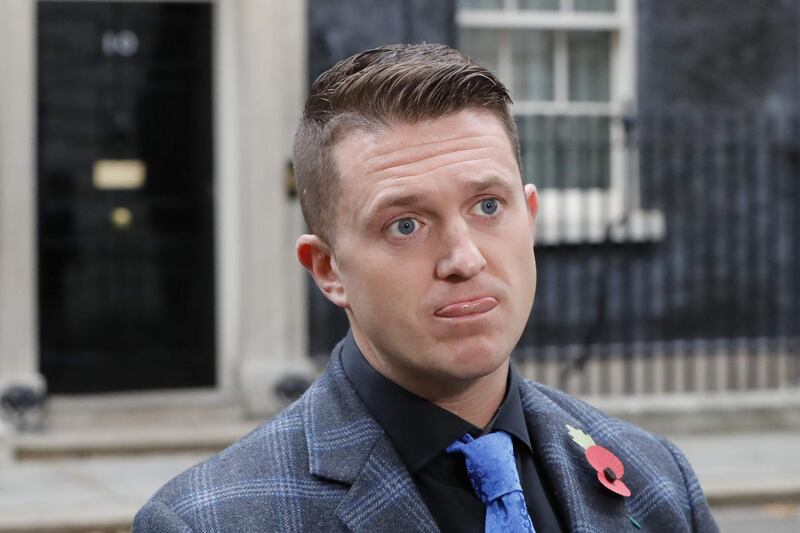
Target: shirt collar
pixel 511 418
pixel 419 429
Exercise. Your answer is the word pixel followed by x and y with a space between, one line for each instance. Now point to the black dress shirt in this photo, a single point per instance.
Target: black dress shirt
pixel 421 431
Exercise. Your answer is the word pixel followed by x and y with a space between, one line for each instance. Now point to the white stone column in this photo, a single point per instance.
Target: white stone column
pixel 18 347
pixel 272 65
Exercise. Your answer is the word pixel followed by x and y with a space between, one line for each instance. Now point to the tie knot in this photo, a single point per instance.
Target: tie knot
pixel 490 464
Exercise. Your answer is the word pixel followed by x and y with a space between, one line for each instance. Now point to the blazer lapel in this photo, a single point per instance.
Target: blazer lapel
pixel 583 503
pixel 346 445
pixel 383 496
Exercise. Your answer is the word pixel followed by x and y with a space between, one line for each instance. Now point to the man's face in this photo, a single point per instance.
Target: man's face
pixel 434 247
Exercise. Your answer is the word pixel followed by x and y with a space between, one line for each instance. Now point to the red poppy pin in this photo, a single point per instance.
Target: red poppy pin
pixel 609 468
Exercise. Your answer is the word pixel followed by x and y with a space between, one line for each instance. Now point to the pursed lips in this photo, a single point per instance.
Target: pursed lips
pixel 472 306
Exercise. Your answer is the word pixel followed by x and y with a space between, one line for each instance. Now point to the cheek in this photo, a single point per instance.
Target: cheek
pixel 516 264
pixel 386 287
pixel 513 249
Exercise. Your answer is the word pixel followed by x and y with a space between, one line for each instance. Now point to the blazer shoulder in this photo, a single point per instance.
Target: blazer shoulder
pixel 656 461
pixel 261 470
pixel 255 455
pixel 605 429
pixel 582 412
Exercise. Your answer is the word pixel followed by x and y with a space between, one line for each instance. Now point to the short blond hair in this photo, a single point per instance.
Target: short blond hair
pixel 401 83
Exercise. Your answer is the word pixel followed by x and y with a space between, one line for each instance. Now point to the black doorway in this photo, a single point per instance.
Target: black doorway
pixel 125 196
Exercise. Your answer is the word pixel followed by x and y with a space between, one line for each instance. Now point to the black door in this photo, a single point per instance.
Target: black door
pixel 125 220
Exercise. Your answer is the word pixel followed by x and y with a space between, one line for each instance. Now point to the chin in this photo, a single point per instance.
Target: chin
pixel 476 359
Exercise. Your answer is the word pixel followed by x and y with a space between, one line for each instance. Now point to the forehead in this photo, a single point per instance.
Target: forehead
pixel 419 155
pixel 412 138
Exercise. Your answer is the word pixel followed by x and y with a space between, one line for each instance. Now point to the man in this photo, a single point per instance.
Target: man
pixel 408 167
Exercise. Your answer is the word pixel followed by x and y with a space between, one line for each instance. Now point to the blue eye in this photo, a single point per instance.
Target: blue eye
pixel 405 226
pixel 489 206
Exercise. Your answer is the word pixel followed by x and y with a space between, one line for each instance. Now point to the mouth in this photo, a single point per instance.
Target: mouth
pixel 467 308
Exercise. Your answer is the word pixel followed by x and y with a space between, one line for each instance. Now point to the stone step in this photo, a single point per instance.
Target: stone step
pixel 134 424
pixel 97 494
pixel 130 440
pixel 707 413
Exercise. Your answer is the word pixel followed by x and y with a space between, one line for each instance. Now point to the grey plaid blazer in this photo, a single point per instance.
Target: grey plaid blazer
pixel 324 464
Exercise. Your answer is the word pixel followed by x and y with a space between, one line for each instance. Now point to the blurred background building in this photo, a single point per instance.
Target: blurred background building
pixel 663 139
pixel 148 212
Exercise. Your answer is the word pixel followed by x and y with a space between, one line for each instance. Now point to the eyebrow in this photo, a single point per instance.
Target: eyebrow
pixel 483 183
pixel 398 200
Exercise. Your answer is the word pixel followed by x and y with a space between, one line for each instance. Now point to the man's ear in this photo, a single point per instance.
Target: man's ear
pixel 316 256
pixel 532 199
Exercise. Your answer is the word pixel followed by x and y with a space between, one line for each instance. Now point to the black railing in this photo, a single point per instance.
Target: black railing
pixel 690 281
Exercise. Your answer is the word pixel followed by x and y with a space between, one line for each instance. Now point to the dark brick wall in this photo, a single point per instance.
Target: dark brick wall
pixel 717 130
pixel 338 29
pixel 719 54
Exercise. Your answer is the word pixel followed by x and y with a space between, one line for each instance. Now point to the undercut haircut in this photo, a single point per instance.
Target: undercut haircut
pixel 373 90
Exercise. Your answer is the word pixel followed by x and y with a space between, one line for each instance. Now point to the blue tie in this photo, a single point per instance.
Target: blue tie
pixel 493 474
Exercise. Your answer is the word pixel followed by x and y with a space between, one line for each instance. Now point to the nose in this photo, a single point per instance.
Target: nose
pixel 460 257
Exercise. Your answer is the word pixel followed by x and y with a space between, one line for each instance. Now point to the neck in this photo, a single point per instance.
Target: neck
pixel 476 400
